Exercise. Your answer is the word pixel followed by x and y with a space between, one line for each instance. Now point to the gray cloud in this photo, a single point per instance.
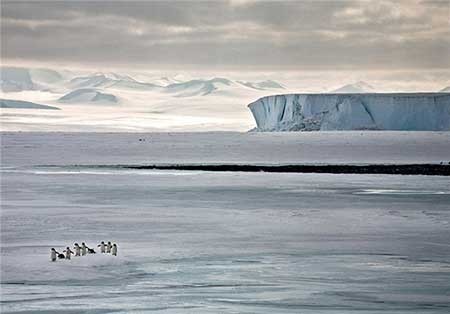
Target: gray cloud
pixel 230 34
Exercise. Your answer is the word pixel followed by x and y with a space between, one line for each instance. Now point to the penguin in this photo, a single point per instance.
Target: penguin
pixel 102 247
pixel 77 249
pixel 68 252
pixel 108 247
pixel 91 251
pixel 60 255
pixel 84 249
pixel 53 254
pixel 114 250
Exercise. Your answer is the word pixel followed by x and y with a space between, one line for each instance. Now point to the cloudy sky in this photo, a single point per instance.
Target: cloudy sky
pixel 231 35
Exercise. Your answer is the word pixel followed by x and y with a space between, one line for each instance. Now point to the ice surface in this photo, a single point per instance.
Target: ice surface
pixel 223 242
pixel 349 147
pixel 314 112
pixel 199 242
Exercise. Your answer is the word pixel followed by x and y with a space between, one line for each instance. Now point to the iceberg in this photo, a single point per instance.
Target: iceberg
pixel 377 111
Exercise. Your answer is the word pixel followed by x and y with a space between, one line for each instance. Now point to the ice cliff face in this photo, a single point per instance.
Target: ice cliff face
pixel 390 111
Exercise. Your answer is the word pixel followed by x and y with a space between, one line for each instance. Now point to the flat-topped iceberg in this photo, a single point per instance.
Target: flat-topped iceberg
pixel 323 112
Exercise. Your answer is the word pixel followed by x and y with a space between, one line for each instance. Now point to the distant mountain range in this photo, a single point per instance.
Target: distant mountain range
pixel 14 79
pixel 362 87
pixel 110 80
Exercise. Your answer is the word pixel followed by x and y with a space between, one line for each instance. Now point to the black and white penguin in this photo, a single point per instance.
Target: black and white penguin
pixel 102 247
pixel 53 254
pixel 77 249
pixel 84 249
pixel 108 247
pixel 68 252
pixel 114 250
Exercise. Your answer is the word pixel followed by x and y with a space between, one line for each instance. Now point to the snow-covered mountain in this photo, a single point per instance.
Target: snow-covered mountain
pixel 198 87
pixel 20 104
pixel 110 80
pixel 46 77
pixel 321 112
pixel 134 100
pixel 445 90
pixel 15 79
pixel 217 85
pixel 263 85
pixel 164 81
pixel 355 88
pixel 88 95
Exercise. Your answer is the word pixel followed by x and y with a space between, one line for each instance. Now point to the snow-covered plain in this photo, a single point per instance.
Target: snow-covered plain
pixel 339 147
pixel 224 242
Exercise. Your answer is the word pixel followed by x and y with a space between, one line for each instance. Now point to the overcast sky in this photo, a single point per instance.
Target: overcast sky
pixel 249 35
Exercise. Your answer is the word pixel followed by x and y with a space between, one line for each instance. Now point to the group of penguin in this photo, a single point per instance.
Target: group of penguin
pixel 83 250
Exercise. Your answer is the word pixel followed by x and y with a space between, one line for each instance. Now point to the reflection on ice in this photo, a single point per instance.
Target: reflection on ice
pixel 92 171
pixel 401 192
